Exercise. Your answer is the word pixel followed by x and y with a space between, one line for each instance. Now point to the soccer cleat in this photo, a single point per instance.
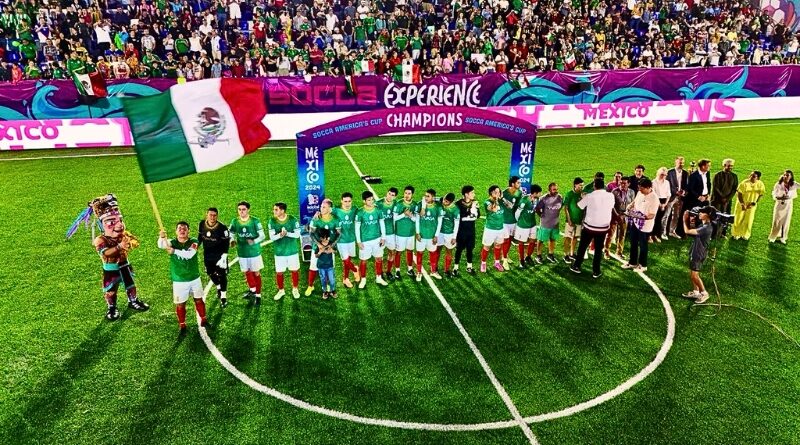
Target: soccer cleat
pixel 456 273
pixel 483 268
pixel 138 305
pixel 521 266
pixel 379 279
pixel 691 294
pixel 539 259
pixel 628 266
pixel 410 272
pixel 574 269
pixel 448 274
pixel 597 275
pixel 470 270
pixel 204 323
pixel 702 297
pixel 182 329
pixel 435 274
pixel 551 258
pixel 506 266
pixel 362 283
pixel 248 294
pixel 397 275
pixel 347 283
pixel 279 295
pixel 325 295
pixel 356 276
pixel 568 259
pixel 223 303
pixel 112 314
pixel 295 293
pixel 419 277
pixel 499 267
pixel 309 291
pixel 387 277
pixel 529 261
pixel 257 300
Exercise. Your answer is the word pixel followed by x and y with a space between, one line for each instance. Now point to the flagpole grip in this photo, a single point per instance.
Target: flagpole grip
pixel 153 204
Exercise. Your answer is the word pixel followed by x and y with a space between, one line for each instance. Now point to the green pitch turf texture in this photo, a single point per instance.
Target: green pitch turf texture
pixel 552 339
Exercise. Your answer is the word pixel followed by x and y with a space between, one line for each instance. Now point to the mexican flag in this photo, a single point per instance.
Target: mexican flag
pixel 411 73
pixel 91 84
pixel 570 62
pixel 350 83
pixel 196 127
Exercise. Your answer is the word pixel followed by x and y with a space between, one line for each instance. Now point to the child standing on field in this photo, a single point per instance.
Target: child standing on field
pixel 324 253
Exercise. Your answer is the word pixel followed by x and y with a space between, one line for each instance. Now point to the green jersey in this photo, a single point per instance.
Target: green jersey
pixel 451 215
pixel 509 214
pixel 494 219
pixel 347 221
pixel 331 223
pixel 401 42
pixel 527 215
pixel 369 222
pixel 429 221
pixel 571 203
pixel 416 43
pixel 406 226
pixel 387 210
pixel 244 231
pixel 287 245
pixel 184 270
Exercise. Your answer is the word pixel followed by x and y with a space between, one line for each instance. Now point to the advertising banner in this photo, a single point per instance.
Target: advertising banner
pixel 65 133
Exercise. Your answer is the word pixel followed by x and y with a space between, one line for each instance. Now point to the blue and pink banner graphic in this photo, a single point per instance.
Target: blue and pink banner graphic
pixel 42 100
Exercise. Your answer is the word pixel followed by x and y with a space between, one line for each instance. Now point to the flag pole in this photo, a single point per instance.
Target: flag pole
pixel 153 204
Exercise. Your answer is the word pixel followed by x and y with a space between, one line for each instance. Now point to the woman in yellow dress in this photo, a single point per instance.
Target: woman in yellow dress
pixel 748 193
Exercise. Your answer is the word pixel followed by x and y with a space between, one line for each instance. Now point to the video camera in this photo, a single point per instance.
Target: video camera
pixel 719 219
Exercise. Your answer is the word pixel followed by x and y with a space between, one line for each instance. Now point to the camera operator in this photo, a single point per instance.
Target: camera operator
pixel 699 248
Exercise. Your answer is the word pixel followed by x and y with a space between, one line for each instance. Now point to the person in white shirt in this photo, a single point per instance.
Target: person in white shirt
pixel 234 11
pixel 641 220
pixel 661 188
pixel 598 206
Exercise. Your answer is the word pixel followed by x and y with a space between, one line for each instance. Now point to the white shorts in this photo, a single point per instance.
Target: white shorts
pixel 509 228
pixel 445 240
pixel 426 244
pixel 390 242
pixel 493 236
pixel 372 249
pixel 253 264
pixel 291 262
pixel 523 235
pixel 572 231
pixel 181 290
pixel 346 250
pixel 403 243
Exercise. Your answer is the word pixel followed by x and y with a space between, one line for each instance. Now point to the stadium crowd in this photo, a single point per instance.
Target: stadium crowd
pixel 194 39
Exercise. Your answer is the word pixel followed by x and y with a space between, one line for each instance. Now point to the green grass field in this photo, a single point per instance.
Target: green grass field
pixel 552 339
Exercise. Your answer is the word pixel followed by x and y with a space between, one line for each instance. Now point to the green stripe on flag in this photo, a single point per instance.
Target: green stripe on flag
pixel 161 147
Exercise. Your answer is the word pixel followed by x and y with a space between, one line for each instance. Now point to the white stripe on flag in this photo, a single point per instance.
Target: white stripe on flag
pixel 208 124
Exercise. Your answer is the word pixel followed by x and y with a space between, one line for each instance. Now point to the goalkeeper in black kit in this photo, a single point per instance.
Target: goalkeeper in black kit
pixel 216 240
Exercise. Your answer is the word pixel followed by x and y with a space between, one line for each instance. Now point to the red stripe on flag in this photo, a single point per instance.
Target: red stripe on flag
pixel 246 100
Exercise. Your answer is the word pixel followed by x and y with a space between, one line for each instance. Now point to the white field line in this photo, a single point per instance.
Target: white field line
pixel 541 136
pixel 489 373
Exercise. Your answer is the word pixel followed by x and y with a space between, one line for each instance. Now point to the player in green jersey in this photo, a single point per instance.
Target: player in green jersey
pixel 493 230
pixel 405 219
pixel 324 220
pixel 386 206
pixel 525 232
pixel 574 218
pixel 511 198
pixel 371 237
pixel 347 238
pixel 429 226
pixel 284 231
pixel 247 233
pixel 451 219
pixel 184 269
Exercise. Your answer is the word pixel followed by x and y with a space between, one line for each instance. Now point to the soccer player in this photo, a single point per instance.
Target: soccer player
pixel 347 238
pixel 216 240
pixel 386 206
pixel 451 220
pixel 428 228
pixel 525 231
pixel 185 272
pixel 405 218
pixel 465 239
pixel 548 208
pixel 325 220
pixel 248 233
pixel 574 219
pixel 493 231
pixel 511 197
pixel 284 231
pixel 371 237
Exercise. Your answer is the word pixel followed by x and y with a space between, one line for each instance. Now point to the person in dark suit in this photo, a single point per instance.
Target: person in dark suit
pixel 678 182
pixel 699 187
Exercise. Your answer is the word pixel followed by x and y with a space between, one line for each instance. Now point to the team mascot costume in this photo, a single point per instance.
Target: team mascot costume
pixel 113 246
